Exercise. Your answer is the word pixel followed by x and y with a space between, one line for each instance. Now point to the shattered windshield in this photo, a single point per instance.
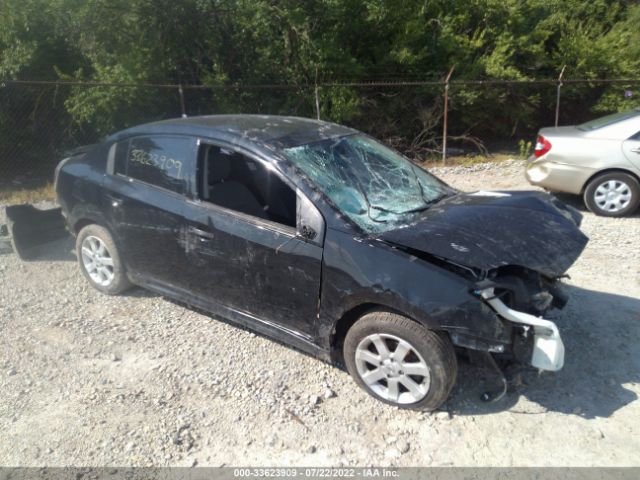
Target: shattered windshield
pixel 371 184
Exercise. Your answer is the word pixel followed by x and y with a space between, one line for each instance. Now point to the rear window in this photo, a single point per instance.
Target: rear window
pixel 160 161
pixel 608 120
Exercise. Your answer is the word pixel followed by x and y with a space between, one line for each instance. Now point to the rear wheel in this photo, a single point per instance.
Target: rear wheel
pixel 100 261
pixel 399 361
pixel 612 194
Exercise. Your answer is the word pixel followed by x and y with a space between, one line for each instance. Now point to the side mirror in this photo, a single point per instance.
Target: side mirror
pixel 309 221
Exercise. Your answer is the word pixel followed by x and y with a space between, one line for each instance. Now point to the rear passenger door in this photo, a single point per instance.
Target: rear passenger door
pixel 145 200
pixel 243 246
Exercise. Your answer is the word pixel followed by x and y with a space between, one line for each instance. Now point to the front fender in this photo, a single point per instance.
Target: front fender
pixel 366 272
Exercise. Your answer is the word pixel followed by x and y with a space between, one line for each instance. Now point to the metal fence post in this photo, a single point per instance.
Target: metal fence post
pixel 317 96
pixel 558 95
pixel 182 107
pixel 446 116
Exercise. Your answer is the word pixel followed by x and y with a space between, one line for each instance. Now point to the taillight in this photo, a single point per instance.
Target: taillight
pixel 542 146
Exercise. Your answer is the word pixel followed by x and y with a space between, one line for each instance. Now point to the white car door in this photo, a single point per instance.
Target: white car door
pixel 631 149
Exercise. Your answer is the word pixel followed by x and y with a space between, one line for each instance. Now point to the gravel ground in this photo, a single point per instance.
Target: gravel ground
pixel 92 380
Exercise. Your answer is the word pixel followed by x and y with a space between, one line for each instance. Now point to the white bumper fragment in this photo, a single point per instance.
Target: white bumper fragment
pixel 548 349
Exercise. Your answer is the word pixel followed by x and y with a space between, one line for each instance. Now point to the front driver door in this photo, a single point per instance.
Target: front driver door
pixel 254 243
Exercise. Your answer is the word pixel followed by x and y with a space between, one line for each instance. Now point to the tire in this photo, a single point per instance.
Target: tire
pixel 430 356
pixel 624 191
pixel 95 248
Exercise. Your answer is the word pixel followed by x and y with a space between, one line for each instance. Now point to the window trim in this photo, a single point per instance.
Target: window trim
pixel 111 158
pixel 244 217
pixel 269 165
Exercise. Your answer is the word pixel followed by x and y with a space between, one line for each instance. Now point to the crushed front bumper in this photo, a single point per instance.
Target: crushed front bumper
pixel 548 349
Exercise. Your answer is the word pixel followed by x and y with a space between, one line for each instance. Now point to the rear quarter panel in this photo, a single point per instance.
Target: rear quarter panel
pixel 589 153
pixel 79 187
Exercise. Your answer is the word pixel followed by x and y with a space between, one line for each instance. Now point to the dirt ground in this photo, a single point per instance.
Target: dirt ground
pixel 92 380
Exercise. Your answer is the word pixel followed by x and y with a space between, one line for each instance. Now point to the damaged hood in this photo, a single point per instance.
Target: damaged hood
pixel 486 230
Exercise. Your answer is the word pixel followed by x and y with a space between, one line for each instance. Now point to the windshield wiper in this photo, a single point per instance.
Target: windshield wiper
pixel 415 175
pixel 427 204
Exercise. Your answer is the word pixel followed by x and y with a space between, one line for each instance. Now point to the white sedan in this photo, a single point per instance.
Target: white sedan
pixel 599 160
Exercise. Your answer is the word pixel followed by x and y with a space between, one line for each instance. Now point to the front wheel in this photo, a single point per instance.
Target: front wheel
pixel 399 361
pixel 100 261
pixel 612 194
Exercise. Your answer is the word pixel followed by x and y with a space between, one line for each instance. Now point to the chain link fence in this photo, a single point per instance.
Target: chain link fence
pixel 39 121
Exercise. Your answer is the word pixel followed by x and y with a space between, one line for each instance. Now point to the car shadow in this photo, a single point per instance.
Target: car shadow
pixel 576 202
pixel 601 333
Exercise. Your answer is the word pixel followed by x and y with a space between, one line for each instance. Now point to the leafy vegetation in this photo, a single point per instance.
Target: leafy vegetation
pixel 524 149
pixel 226 43
pixel 16 195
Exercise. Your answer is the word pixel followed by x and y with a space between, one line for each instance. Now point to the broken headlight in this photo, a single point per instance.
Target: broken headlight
pixel 525 290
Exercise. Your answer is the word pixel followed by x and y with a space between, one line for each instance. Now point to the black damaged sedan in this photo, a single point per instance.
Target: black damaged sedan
pixel 321 237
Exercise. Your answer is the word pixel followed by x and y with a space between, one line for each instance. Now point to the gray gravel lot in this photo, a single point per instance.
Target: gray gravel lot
pixel 88 379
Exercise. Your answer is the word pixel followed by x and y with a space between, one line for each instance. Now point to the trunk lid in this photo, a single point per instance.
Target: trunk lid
pixel 555 132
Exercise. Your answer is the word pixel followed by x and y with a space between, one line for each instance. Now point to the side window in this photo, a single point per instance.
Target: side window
pixel 234 181
pixel 160 161
pixel 635 137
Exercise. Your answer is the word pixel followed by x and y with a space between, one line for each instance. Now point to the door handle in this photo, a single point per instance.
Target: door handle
pixel 636 150
pixel 201 233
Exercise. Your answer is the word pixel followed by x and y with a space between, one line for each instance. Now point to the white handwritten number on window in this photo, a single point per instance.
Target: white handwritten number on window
pixel 169 165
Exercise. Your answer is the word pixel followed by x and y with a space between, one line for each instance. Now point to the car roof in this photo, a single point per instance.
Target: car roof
pixel 271 131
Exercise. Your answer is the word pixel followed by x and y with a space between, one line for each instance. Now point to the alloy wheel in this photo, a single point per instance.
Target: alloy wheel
pixel 97 261
pixel 392 368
